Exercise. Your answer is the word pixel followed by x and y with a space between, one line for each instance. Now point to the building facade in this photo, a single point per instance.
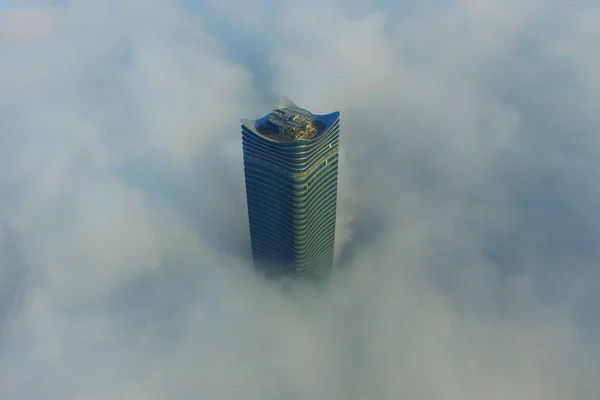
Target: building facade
pixel 291 173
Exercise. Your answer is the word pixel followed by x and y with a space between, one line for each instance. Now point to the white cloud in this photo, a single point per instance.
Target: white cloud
pixel 24 24
pixel 467 203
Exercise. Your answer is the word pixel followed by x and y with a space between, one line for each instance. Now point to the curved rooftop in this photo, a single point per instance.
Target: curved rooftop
pixel 288 122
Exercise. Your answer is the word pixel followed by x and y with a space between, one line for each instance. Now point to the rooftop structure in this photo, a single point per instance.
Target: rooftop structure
pixel 290 124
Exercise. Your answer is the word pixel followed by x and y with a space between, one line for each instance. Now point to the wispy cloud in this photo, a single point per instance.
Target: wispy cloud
pixel 25 24
pixel 468 232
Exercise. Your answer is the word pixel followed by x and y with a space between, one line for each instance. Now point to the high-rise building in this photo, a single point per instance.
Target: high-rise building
pixel 291 171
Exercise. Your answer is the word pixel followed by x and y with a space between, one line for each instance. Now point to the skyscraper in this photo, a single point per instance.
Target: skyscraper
pixel 291 171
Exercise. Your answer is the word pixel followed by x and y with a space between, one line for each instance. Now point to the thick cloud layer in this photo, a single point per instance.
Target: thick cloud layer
pixel 468 194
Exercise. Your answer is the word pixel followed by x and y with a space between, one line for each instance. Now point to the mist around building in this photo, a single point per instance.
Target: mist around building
pixel 466 224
